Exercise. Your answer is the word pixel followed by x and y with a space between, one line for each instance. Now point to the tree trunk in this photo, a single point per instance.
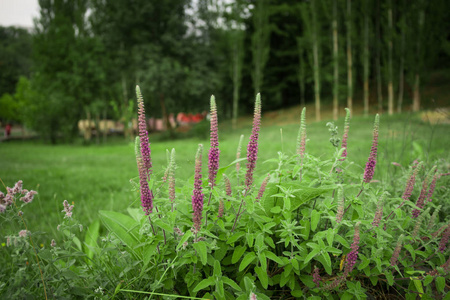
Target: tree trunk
pixel 416 93
pixel 390 67
pixel 419 59
pixel 366 59
pixel 260 44
pixel 378 60
pixel 335 62
pixel 401 78
pixel 237 72
pixel 349 57
pixel 316 60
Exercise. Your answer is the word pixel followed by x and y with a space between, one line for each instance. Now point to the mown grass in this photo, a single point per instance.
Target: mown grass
pixel 98 177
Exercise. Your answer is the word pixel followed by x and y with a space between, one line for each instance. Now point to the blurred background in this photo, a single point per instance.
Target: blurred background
pixel 69 68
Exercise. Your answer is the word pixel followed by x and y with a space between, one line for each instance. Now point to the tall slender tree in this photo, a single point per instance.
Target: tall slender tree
pixel 335 61
pixel 401 78
pixel 378 57
pixel 390 76
pixel 419 56
pixel 366 65
pixel 349 56
pixel 260 43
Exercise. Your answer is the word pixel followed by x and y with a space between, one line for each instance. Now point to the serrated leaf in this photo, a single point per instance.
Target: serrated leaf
pixel 428 279
pixel 237 254
pixel 204 284
pixel 311 255
pixel 273 257
pixel 201 251
pixel 184 239
pixel 231 283
pixel 248 258
pixel 263 278
pixel 440 284
pixel 315 218
pixel 235 237
pixel 217 269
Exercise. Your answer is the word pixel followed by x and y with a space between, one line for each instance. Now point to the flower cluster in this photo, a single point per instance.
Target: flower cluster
pixel 411 181
pixel 432 186
pixel 252 148
pixel 17 190
pixel 221 209
pixel 425 195
pixel 67 209
pixel 197 195
pixel 143 135
pixel 372 161
pixel 227 185
pixel 214 152
pixel 146 193
pixel 23 233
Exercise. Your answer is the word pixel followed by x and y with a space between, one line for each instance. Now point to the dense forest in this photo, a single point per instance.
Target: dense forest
pixel 84 58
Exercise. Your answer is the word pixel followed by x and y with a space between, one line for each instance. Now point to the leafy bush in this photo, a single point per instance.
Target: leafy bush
pixel 313 227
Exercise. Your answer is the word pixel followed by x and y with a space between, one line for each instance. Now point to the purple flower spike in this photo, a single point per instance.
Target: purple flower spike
pixel 372 161
pixel 341 203
pixel 411 181
pixel 146 193
pixel 213 157
pixel 345 136
pixel 227 184
pixel 316 276
pixel 353 254
pixel 252 148
pixel 67 209
pixel 444 240
pixel 432 186
pixel 396 253
pixel 143 135
pixel 172 178
pixel 197 195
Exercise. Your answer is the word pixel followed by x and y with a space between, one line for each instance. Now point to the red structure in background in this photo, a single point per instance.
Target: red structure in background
pixel 8 130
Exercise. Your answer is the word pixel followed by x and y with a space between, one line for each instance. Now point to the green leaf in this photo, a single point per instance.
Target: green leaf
pixel 440 283
pixel 411 250
pixel 324 261
pixel 149 251
pixel 136 213
pixel 217 269
pixel 237 254
pixel 90 240
pixel 297 293
pixel 250 238
pixel 272 256
pixel 201 251
pixel 330 236
pixel 235 237
pixel 327 259
pixel 204 284
pixel 311 255
pixel 248 258
pixel 428 280
pixel 219 289
pixel 262 275
pixel 342 241
pixel 315 218
pixel 418 284
pixel 123 227
pixel 161 224
pixel 77 242
pixel 231 283
pixel 184 239
pixel 220 253
pixel 262 260
pixel 390 278
pixel 365 262
pixel 275 210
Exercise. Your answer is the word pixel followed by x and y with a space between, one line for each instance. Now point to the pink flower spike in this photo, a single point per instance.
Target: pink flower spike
pixel 252 148
pixel 143 135
pixel 214 152
pixel 444 239
pixel 345 136
pixel 197 195
pixel 262 188
pixel 372 161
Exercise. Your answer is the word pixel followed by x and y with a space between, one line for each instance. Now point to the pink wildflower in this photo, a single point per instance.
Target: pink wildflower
pixel 345 136
pixel 23 233
pixel 252 148
pixel 197 196
pixel 316 276
pixel 379 212
pixel 227 185
pixel 352 256
pixel 28 197
pixel 396 253
pixel 221 209
pixel 143 135
pixel 444 239
pixel 214 152
pixel 341 203
pixel 372 161
pixel 301 138
pixel 262 188
pixel 67 209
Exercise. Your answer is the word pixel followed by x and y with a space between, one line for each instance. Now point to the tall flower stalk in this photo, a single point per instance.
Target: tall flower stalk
pixel 252 148
pixel 301 140
pixel 143 135
pixel 238 155
pixel 345 136
pixel 252 154
pixel 146 193
pixel 172 179
pixel 372 161
pixel 213 156
pixel 197 194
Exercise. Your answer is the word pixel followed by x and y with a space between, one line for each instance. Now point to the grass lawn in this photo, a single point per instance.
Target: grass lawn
pixel 98 177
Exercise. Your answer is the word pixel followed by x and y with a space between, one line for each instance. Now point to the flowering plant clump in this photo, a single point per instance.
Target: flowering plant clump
pixel 304 228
